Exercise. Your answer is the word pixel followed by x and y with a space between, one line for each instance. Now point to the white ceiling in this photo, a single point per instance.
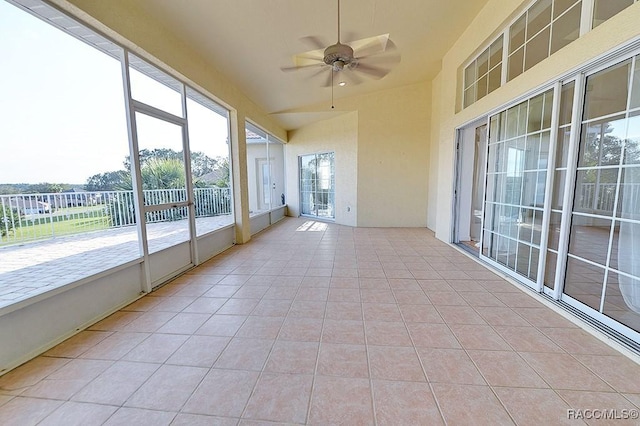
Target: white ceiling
pixel 251 40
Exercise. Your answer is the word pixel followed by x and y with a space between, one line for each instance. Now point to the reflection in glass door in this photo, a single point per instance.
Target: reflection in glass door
pixel 317 185
pixel 603 264
pixel 519 140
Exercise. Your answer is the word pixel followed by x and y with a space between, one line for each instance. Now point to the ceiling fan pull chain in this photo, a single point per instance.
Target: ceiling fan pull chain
pixel 332 88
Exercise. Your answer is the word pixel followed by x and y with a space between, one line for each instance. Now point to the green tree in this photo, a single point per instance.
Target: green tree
pixel 109 181
pixel 47 188
pixel 163 173
pixel 224 170
pixel 202 164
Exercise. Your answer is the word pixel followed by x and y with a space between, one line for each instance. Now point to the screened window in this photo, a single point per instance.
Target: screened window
pixel 70 169
pixel 265 170
pixel 208 126
pixel 63 135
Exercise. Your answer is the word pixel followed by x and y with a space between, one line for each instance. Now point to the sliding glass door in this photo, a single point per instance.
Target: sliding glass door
pixel 317 185
pixel 603 264
pixel 519 142
pixel 561 205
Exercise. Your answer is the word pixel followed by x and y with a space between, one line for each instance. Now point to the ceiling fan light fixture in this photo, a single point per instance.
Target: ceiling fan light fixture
pixel 338 65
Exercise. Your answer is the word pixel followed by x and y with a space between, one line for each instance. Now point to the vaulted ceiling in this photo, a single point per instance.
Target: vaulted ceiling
pixel 250 41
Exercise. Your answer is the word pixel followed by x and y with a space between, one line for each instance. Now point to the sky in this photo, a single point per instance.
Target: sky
pixel 62 107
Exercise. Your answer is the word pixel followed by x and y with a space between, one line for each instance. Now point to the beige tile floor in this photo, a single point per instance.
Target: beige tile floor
pixel 312 323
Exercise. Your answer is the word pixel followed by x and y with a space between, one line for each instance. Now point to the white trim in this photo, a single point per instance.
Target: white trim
pixel 186 150
pixel 586 17
pixel 136 175
pixel 551 162
pixel 570 178
pixel 600 317
pixel 154 112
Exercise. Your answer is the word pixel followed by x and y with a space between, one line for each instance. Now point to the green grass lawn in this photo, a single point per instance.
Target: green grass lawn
pixel 66 221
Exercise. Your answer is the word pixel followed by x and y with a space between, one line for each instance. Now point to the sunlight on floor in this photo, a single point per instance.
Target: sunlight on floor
pixel 312 226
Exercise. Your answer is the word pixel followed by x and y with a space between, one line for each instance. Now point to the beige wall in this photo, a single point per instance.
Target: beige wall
pixel 433 153
pixel 339 135
pixel 617 31
pixel 393 156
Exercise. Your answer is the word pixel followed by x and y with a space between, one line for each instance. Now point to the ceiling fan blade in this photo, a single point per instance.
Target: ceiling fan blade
pixel 348 37
pixel 351 78
pixel 318 72
pixel 301 67
pixel 384 59
pixel 314 55
pixel 314 41
pixel 375 72
pixel 371 45
pixel 330 77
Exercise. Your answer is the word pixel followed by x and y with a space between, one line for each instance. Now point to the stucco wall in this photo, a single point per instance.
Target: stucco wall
pixel 393 155
pixel 617 31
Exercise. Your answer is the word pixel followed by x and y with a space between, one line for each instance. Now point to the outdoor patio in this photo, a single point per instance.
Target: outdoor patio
pixel 34 268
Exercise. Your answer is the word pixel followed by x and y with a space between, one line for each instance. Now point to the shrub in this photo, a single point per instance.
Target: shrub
pixel 7 218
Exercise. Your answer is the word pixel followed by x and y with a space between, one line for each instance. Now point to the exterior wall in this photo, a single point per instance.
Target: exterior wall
pixel 339 135
pixel 393 156
pixel 607 37
pixel 434 156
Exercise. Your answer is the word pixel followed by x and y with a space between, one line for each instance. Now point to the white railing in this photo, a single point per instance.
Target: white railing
pixel 25 217
pixel 601 198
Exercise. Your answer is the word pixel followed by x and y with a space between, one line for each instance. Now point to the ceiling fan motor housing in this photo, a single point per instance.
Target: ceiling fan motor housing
pixel 338 55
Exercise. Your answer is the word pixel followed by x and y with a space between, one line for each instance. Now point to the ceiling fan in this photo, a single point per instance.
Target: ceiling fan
pixel 349 59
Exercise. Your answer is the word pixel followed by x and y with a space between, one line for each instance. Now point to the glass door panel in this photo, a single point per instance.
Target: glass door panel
pixel 516 185
pixel 307 184
pixel 317 185
pixel 603 270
